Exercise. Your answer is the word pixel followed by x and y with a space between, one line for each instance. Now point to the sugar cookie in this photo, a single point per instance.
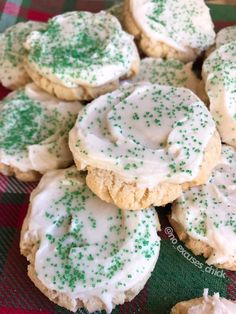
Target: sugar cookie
pixel 34 130
pixel 12 51
pixel 170 72
pixel 170 29
pixel 84 252
pixel 219 74
pixel 204 216
pixel 205 305
pixel 144 143
pixel 81 55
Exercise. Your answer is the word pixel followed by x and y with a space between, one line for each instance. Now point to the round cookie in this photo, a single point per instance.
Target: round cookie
pixel 170 72
pixel 144 143
pixel 82 251
pixel 34 130
pixel 188 32
pixel 204 216
pixel 12 52
pixel 81 55
pixel 219 74
pixel 205 305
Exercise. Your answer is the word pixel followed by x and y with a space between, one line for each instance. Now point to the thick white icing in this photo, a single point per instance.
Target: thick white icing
pixel 213 305
pixel 181 24
pixel 207 213
pixel 89 248
pixel 12 51
pixel 219 72
pixel 34 130
pixel 82 48
pixel 144 133
pixel 168 72
pixel 225 36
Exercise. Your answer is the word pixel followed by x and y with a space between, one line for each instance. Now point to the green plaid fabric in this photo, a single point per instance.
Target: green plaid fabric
pixel 178 275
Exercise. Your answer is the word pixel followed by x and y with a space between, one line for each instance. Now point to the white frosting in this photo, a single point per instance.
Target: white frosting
pixel 88 248
pixel 219 72
pixel 168 72
pixel 34 130
pixel 181 24
pixel 12 51
pixel 82 48
pixel 213 305
pixel 225 36
pixel 139 134
pixel 208 213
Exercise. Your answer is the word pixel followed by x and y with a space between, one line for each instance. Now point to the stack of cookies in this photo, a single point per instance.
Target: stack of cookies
pixel 111 136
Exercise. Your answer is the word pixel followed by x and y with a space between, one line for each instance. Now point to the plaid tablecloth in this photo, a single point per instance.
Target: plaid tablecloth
pixel 175 277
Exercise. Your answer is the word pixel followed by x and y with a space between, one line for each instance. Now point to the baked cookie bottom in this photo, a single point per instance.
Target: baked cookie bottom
pixel 111 188
pixel 28 176
pixel 153 48
pixel 28 248
pixel 79 93
pixel 198 247
pixel 184 306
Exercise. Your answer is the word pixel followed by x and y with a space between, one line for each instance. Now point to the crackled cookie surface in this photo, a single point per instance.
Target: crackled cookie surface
pixel 207 213
pixel 82 49
pixel 184 25
pixel 169 72
pixel 12 52
pixel 219 73
pixel 34 130
pixel 85 252
pixel 205 305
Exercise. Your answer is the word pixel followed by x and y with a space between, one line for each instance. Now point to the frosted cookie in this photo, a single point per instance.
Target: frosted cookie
pixel 81 55
pixel 170 72
pixel 219 74
pixel 170 29
pixel 117 11
pixel 82 251
pixel 34 130
pixel 204 217
pixel 225 36
pixel 205 305
pixel 12 51
pixel 143 144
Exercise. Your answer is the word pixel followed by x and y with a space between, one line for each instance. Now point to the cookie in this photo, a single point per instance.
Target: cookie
pixel 204 216
pixel 170 29
pixel 219 75
pixel 206 304
pixel 226 36
pixel 12 51
pixel 145 143
pixel 170 72
pixel 83 252
pixel 34 130
pixel 81 55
